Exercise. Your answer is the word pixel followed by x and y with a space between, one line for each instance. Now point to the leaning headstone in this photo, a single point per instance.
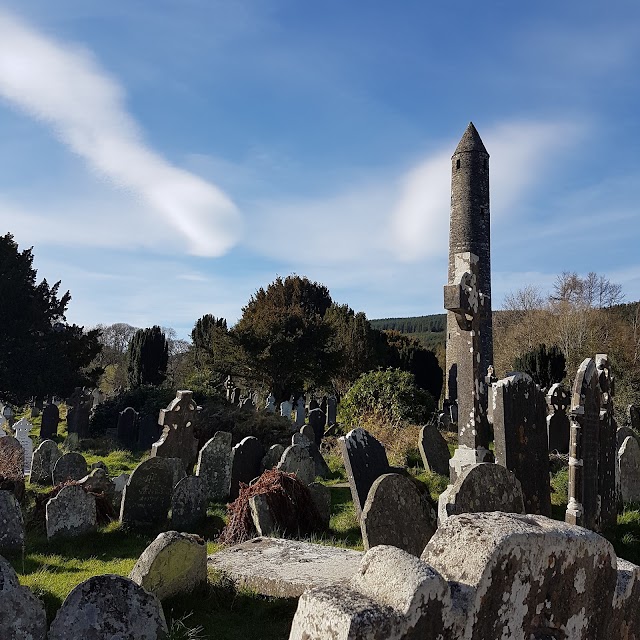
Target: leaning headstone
pixel 629 470
pixel 332 410
pixel 11 458
pixel 71 513
pixel 558 425
pixel 296 459
pixel 11 524
pixel 43 461
pixel 395 514
pixel 482 487
pixel 317 421
pixel 300 412
pixel 246 458
pixel 520 437
pixel 365 460
pixel 214 466
pixel 128 428
pixel 148 432
pixel 434 450
pixel 272 457
pixel 49 423
pixel 22 614
pixel 22 430
pixel 188 504
pixel 147 494
pixel 622 434
pixel 261 516
pixel 173 564
pixel 177 439
pixel 70 466
pixel 108 607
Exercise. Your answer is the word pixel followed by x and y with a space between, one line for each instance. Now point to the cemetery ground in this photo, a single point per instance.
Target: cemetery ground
pixel 52 568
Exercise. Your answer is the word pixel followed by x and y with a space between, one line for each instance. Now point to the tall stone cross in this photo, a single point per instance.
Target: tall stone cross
pixel 465 300
pixel 180 412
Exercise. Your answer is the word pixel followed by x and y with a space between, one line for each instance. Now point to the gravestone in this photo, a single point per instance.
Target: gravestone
pixel 248 404
pixel 261 516
pixel 246 458
pixel 285 409
pixel 297 459
pixel 11 523
pixel 97 481
pixel 317 421
pixel 235 396
pixel 321 496
pixel 3 421
pixel 22 430
pixel 173 564
pixel 270 403
pixel 365 460
pixel 128 428
pixel 558 425
pixel 483 487
pixel 148 432
pixel 323 405
pixel 188 504
pixel 119 483
pixel 520 437
pixel 300 412
pixel 322 468
pixel 332 410
pixel 43 461
pixel 434 450
pixel 272 457
pixel 177 470
pixel 622 433
pixel 49 423
pixel 109 607
pixel 633 412
pixel 629 470
pixel 70 466
pixel 177 439
pixel 22 614
pixel 147 495
pixel 78 412
pixel 313 404
pixel 395 514
pixel 214 466
pixel 71 513
pixel 99 464
pixel 11 458
pixel 97 397
pixel 607 449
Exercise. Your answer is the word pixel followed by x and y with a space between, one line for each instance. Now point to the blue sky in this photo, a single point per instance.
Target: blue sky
pixel 167 158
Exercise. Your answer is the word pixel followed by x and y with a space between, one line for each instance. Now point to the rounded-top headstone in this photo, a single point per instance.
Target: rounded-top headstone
pixel 245 463
pixel 622 433
pixel 22 615
pixel 558 397
pixel 70 466
pixel 395 514
pixel 11 523
pixel 147 495
pixel 50 420
pixel 296 459
pixel 434 450
pixel 214 466
pixel 108 607
pixel 188 503
pixel 272 457
pixel 44 459
pixel 629 470
pixel 173 564
pixel 71 513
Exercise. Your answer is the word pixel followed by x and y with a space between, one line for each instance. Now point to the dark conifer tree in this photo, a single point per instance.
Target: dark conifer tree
pixel 148 356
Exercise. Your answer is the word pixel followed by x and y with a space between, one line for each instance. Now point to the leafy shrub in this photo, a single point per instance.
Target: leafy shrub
pixel 391 395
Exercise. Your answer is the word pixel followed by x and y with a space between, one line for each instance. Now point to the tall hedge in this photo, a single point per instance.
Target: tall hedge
pixel 147 358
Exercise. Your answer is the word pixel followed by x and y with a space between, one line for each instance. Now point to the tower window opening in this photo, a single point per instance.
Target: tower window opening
pixel 458 163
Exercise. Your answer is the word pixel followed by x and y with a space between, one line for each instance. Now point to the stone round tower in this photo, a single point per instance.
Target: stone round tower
pixel 470 231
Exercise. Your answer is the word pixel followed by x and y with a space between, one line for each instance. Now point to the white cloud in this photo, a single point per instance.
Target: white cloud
pixel 66 88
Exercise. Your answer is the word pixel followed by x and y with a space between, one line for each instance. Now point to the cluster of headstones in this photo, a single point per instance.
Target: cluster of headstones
pixel 110 606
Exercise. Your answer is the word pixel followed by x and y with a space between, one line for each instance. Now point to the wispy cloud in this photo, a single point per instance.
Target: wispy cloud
pixel 65 87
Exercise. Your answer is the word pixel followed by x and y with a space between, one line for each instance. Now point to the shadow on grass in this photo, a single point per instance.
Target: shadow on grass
pixel 344 525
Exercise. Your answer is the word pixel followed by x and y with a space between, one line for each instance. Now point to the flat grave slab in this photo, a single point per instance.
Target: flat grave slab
pixel 285 568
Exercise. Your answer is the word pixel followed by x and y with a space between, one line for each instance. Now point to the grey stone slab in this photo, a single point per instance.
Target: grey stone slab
pixel 482 487
pixel 214 466
pixel 285 568
pixel 261 516
pixel 11 523
pixel 173 564
pixel 44 458
pixel 71 513
pixel 365 460
pixel 395 514
pixel 297 459
pixel 245 463
pixel 147 495
pixel 108 607
pixel 558 424
pixel 49 423
pixel 317 421
pixel 188 504
pixel 22 615
pixel 272 457
pixel 629 470
pixel 70 466
pixel 434 450
pixel 321 496
pixel 520 437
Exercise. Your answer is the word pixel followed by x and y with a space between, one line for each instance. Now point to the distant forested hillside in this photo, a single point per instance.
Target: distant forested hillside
pixel 429 330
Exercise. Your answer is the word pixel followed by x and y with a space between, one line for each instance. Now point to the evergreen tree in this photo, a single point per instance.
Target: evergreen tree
pixel 546 367
pixel 147 357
